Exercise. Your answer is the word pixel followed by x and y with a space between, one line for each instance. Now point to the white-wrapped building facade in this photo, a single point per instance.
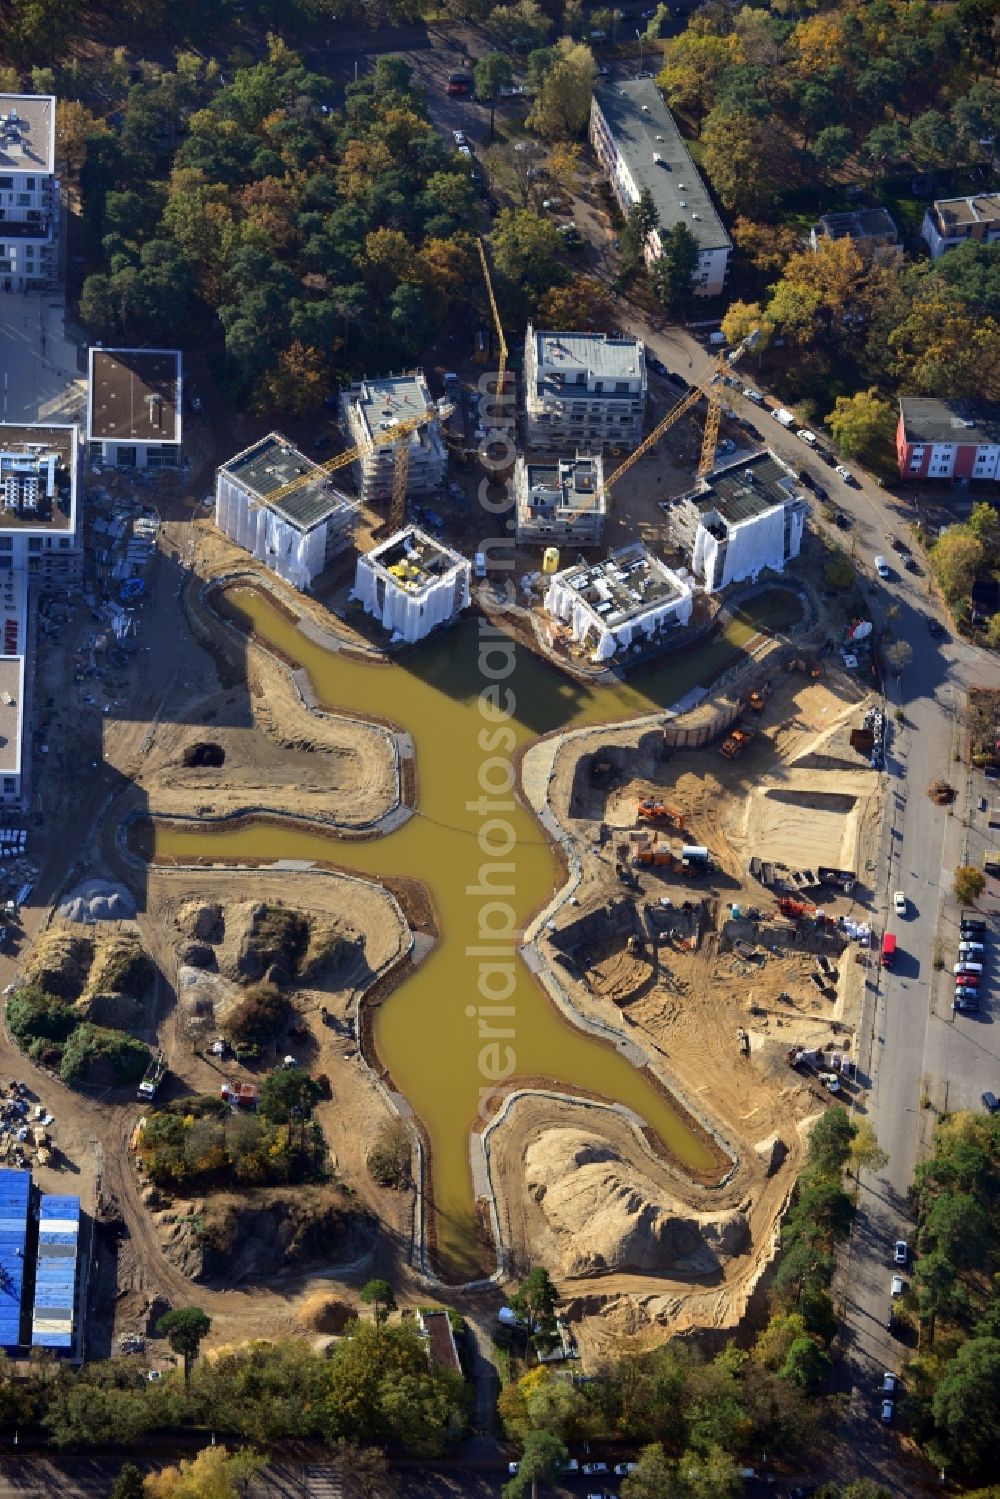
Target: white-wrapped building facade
pixel 631 601
pixel 412 584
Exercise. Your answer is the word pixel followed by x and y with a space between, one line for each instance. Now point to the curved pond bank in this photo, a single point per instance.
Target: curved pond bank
pixel 471 1017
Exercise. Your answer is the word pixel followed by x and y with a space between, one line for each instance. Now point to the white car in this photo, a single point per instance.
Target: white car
pixel 459 137
pixel 512 1469
pixel 844 473
pixel 753 395
pixel 571 1465
pixel 887 1411
pixel 896 1286
pixel 889 1383
pixel 622 1468
pixel 899 902
pixel 595 1467
pixel 464 151
pixel 806 436
pixel 882 567
pixel 900 1252
pixel 830 1080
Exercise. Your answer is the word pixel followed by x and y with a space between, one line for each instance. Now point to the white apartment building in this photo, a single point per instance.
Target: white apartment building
pixel 283 509
pixel 630 601
pixel 560 501
pixel 741 520
pixel 134 400
pixel 29 191
pixel 950 222
pixel 412 583
pixel 373 407
pixel 39 478
pixel 639 146
pixel 584 391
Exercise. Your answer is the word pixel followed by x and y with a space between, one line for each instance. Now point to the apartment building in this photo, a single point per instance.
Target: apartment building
pixel 412 584
pixel 873 231
pixel 134 401
pixel 39 475
pixel 584 391
pixel 947 439
pixel 950 222
pixel 283 509
pixel 639 146
pixel 631 601
pixel 29 192
pixel 560 501
pixel 373 407
pixel 742 520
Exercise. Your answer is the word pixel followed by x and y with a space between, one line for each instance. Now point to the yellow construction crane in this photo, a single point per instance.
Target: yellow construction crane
pixel 398 434
pixel 501 388
pixel 710 390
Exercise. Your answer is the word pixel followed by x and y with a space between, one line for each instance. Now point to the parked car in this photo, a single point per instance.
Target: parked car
pixel 896 544
pixel 888 1410
pixel 622 1468
pixel 973 924
pixel 753 395
pixel 900 1252
pixel 990 1102
pixel 596 1467
pixel 935 628
pixel 804 435
pixel 882 567
pixel 830 1081
pixel 465 151
pixel 896 1286
pixel 846 475
pixel 821 493
pixel 459 136
pixel 912 567
pixel 899 902
pixel 843 521
pixel 967 1004
pixel 806 478
pixel 459 83
pixel 657 366
pixel 571 1465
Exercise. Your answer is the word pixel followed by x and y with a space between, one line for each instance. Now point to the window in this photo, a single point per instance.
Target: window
pixel 621 387
pixel 10 783
pixel 29 183
pixel 6 183
pixel 23 200
pixel 34 543
pixel 64 543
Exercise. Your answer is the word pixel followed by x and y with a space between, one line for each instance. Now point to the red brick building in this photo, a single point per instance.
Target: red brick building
pixel 947 439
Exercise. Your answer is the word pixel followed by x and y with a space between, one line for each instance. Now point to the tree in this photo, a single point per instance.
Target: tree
pixel 653 1478
pixel 898 656
pixel 830 1140
pixel 525 18
pixel 526 247
pixel 562 105
pixel 939 343
pixel 866 1154
pixel 969 885
pixel 368 1470
pixel 297 384
pixel 128 1484
pixel 379 1295
pixel 957 1227
pixel 492 73
pixel 795 309
pixel 806 1365
pixel 768 246
pixel 749 160
pixel 288 1093
pixel 581 303
pixel 832 147
pixel 966 1405
pixel 214 1474
pixel 543 1459
pixel 977 113
pixel 992 632
pixel 884 146
pixel 839 570
pixel 860 422
pixel 693 65
pixel 743 318
pixel 674 270
pixel 934 139
pixel 957 557
pixel 535 1301
pixel 185 1329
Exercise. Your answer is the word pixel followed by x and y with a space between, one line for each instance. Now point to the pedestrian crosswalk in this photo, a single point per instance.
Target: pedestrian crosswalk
pixel 324 1481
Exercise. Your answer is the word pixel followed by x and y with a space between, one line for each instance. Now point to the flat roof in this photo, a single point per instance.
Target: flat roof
pixel 11 713
pixel 413 560
pixel 274 462
pixel 572 483
pixel 747 488
pixel 859 223
pixel 27 133
pixel 642 127
pixel 383 402
pixel 38 495
pixel 927 419
pixel 630 583
pixel 134 395
pixel 441 1341
pixel 602 355
pixel 978 208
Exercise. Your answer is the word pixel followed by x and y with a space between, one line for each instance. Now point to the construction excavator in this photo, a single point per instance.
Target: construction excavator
pixel 650 810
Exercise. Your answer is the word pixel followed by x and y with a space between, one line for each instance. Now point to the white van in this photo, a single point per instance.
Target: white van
pixel 967 968
pixel 783 417
pixel 882 567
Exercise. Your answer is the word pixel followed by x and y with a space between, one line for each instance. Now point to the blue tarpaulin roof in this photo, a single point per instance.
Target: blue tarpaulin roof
pixel 15 1194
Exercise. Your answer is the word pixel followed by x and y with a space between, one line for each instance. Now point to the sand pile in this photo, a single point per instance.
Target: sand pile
pixel 605 1215
pixel 98 900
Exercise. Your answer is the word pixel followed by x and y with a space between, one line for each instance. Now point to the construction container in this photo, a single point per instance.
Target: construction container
pixel 15 1194
pixel 55 1273
pixel 550 560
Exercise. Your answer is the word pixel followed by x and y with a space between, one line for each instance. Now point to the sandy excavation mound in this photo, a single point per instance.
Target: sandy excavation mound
pixel 98 900
pixel 607 1216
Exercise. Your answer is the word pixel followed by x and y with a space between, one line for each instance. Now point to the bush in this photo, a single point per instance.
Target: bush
pixel 390 1156
pixel 93 1054
pixel 258 1018
pixel 31 1014
pixel 970 883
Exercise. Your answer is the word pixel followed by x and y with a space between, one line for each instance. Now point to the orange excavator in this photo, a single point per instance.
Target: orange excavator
pixel 789 906
pixel 651 810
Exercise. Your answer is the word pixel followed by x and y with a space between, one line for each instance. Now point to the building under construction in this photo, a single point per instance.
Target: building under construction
pixel 412 583
pixel 283 509
pixel 370 409
pixel 631 601
pixel 740 520
pixel 560 501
